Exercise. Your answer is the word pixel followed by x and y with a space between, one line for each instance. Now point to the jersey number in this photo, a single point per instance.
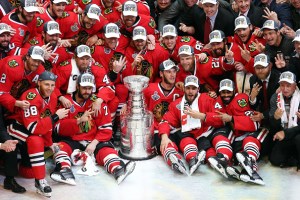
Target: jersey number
pixel 32 110
pixel 3 78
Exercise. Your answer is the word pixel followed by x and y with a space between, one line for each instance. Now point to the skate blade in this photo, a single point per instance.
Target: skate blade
pixel 181 169
pixel 214 164
pixel 248 179
pixel 233 173
pixel 129 169
pixel 201 159
pixel 241 160
pixel 43 193
pixel 57 178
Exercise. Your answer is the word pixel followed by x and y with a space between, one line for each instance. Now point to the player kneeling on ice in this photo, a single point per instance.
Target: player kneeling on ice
pixel 89 131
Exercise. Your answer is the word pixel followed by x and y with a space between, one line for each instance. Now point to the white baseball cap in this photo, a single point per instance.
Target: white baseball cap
pixel 139 33
pixel 297 37
pixel 261 59
pixel 169 30
pixel 86 79
pixel 191 80
pixel 186 50
pixel 111 30
pixel 29 5
pixel 129 8
pixel 209 1
pixel 83 50
pixel 287 77
pixel 51 28
pixel 216 36
pixel 93 11
pixel 270 24
pixel 241 22
pixel 59 1
pixel 4 28
pixel 36 52
pixel 167 65
pixel 226 84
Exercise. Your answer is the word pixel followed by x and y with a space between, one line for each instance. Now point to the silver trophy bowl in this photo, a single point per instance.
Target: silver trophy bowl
pixel 137 124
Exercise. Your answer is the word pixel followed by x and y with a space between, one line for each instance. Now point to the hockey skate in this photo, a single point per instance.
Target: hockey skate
pixel 43 188
pixel 177 164
pixel 246 162
pixel 233 172
pixel 64 175
pixel 195 162
pixel 122 171
pixel 219 163
pixel 255 178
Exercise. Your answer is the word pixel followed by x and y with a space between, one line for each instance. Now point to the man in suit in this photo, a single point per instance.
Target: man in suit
pixel 254 13
pixel 263 84
pixel 213 18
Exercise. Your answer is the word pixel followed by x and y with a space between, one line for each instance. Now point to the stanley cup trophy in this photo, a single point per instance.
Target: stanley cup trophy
pixel 137 124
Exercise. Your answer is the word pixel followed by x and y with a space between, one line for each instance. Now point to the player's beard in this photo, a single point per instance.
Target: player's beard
pixel 84 96
pixel 227 101
pixel 219 52
pixel 4 47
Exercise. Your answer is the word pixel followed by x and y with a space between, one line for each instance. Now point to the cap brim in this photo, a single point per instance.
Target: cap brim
pixel 5 31
pixel 112 35
pixel 268 27
pixel 31 9
pixel 296 39
pixel 52 32
pixel 87 84
pixel 212 2
pixel 93 16
pixel 215 40
pixel 171 67
pixel 261 63
pixel 139 37
pixel 129 13
pixel 191 83
pixel 286 80
pixel 169 34
pixel 226 88
pixel 37 57
pixel 241 26
pixel 60 1
pixel 83 54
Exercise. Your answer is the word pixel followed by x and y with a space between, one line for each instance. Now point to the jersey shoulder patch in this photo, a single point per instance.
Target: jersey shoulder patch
pixel 31 96
pixel 13 63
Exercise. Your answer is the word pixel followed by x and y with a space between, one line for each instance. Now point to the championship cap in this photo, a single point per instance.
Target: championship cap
pixel 270 24
pixel 139 33
pixel 36 52
pixel 93 11
pixel 226 84
pixel 83 50
pixel 261 59
pixel 169 30
pixel 297 37
pixel 86 79
pixel 29 5
pixel 47 76
pixel 111 30
pixel 59 1
pixel 191 80
pixel 209 1
pixel 167 65
pixel 216 36
pixel 287 77
pixel 241 22
pixel 51 28
pixel 186 50
pixel 129 8
pixel 4 28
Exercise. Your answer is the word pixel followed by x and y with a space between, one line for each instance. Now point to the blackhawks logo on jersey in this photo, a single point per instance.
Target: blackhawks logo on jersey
pixel 46 113
pixel 92 49
pixel 163 45
pixel 33 42
pixel 242 103
pixel 13 63
pixel 252 47
pixel 185 39
pixel 152 23
pixel 107 11
pixel 64 63
pixel 86 1
pixel 205 60
pixel 39 22
pixel 31 96
pixel 65 14
pixel 94 97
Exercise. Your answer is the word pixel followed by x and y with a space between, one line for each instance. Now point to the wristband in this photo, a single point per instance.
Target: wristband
pixel 55 118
